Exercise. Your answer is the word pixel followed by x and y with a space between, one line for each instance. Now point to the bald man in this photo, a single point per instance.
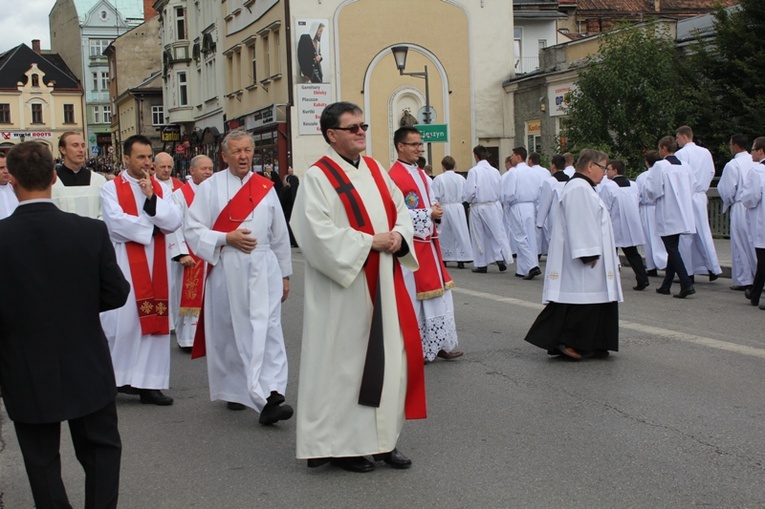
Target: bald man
pixel 163 167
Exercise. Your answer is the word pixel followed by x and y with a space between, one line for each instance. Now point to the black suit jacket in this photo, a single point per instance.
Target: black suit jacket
pixel 59 271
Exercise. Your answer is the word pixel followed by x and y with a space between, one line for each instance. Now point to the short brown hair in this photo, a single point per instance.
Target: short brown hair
pixel 31 164
pixel 685 131
pixel 448 162
pixel 63 137
pixel 669 143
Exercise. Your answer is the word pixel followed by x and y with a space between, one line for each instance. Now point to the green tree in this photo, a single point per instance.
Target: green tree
pixel 726 79
pixel 628 96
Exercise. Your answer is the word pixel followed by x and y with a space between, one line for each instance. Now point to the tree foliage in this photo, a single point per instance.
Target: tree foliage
pixel 629 96
pixel 726 79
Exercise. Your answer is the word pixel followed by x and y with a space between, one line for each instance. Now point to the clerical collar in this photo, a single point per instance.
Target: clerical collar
pixel 70 177
pixel 671 159
pixel 355 163
pixel 560 176
pixel 408 165
pixel 578 175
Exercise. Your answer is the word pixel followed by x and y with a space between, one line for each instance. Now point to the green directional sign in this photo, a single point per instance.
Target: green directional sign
pixel 433 133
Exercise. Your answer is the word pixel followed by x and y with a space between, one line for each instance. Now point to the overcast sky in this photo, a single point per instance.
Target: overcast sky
pixel 24 20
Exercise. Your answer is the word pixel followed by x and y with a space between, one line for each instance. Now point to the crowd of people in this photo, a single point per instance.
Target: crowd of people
pixel 211 259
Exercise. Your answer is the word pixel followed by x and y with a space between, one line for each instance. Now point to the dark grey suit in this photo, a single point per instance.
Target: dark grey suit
pixel 59 272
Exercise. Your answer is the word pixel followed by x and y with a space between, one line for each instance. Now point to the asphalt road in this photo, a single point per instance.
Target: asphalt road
pixel 675 419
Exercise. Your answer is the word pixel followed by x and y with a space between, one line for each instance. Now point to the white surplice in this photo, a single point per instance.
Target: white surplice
pixel 698 250
pixel 487 230
pixel 435 315
pixel 8 201
pixel 338 315
pixel 581 228
pixel 246 356
pixel 167 190
pixel 543 235
pixel 751 198
pixel 520 188
pixel 549 198
pixel 730 187
pixel 185 326
pixel 671 187
pixel 623 203
pixel 449 191
pixel 654 249
pixel 142 361
pixel 81 200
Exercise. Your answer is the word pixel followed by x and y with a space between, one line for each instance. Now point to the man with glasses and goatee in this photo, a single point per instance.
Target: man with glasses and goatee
pixel 236 225
pixel 361 369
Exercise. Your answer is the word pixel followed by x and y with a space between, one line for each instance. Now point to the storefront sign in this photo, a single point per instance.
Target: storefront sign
pixel 557 97
pixel 261 118
pixel 312 99
pixel 27 135
pixel 171 133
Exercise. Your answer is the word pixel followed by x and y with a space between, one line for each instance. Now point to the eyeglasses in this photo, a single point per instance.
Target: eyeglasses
pixel 354 129
pixel 600 165
pixel 412 144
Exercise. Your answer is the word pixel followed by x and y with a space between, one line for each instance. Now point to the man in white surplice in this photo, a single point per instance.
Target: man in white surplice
pixel 449 191
pixel 549 195
pixel 200 169
pixel 743 257
pixel 77 189
pixel 655 252
pixel 141 361
pixel 520 192
pixel 333 424
pixel 251 264
pixel 698 250
pixel 487 231
pixel 8 200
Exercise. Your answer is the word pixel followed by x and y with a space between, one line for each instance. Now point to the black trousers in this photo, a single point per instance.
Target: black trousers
pixel 759 276
pixel 97 446
pixel 636 262
pixel 674 263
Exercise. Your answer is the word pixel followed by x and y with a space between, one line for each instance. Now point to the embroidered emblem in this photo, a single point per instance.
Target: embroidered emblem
pixel 161 308
pixel 554 276
pixel 146 308
pixel 412 200
pixel 610 275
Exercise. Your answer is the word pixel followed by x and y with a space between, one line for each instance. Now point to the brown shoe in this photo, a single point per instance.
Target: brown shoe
pixel 569 352
pixel 450 355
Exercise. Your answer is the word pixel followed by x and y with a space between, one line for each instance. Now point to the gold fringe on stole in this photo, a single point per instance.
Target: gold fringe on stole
pixel 188 312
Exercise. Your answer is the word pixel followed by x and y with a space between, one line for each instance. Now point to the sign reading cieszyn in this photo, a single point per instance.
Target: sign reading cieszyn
pixel 433 133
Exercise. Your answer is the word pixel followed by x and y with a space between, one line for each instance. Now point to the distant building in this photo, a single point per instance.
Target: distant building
pixel 40 98
pixel 135 85
pixel 535 28
pixel 80 30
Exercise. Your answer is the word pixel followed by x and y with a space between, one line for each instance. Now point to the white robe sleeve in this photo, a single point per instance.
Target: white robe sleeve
pixel 545 201
pixel 654 183
pixel 582 223
pixel 470 186
pixel 751 193
pixel 198 232
pixel 280 236
pixel 176 243
pixel 727 184
pixel 124 227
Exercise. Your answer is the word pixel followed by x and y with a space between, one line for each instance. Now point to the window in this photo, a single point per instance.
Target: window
pixel 157 115
pixel 517 34
pixel 95 81
pixel 35 80
pixel 277 60
pixel 266 55
pixel 97 114
pixel 105 80
pixel 253 64
pixel 5 113
pixel 180 22
pixel 107 114
pixel 183 91
pixel 97 46
pixel 542 44
pixel 69 113
pixel 37 116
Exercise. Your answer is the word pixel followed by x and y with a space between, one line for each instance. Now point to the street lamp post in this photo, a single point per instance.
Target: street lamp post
pixel 399 53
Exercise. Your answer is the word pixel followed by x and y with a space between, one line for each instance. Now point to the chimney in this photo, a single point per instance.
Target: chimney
pixel 657 5
pixel 148 10
pixel 36 45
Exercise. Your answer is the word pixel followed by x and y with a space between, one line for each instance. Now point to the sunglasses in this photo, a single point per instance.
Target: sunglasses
pixel 354 129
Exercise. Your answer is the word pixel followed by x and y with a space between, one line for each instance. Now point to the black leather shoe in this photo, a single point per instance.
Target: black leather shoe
pixel 713 276
pixel 127 389
pixel 354 464
pixel 234 406
pixel 532 274
pixel 663 291
pixel 274 410
pixel 460 265
pixel 479 270
pixel 154 397
pixel 684 292
pixel 740 288
pixel 395 459
pixel 748 293
pixel 640 286
pixel 502 266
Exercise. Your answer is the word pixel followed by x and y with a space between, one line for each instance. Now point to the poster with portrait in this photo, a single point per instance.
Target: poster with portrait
pixel 313 72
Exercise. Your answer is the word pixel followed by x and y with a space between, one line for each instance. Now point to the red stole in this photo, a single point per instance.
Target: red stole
pixel 150 287
pixel 177 184
pixel 192 286
pixel 429 281
pixel 372 379
pixel 241 205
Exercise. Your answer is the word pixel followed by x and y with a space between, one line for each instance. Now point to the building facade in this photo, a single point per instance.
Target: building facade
pixel 40 98
pixel 80 31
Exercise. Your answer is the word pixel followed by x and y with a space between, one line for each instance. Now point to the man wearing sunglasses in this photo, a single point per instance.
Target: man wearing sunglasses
pixel 236 225
pixel 361 369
